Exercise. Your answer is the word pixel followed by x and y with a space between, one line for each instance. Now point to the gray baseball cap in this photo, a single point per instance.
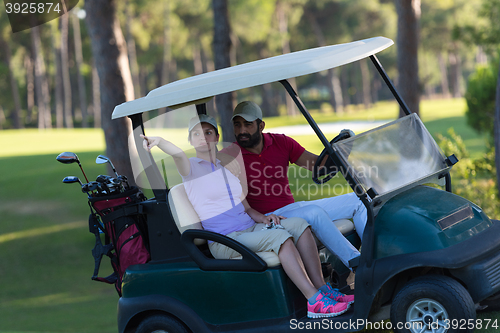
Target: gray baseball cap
pixel 202 118
pixel 247 110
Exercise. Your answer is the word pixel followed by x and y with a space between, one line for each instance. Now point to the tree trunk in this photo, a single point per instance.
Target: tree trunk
pixel 167 47
pixel 333 82
pixel 456 74
pixel 2 117
pixel 197 64
pixel 132 55
pixel 96 96
pixel 269 105
pixel 82 91
pixel 16 114
pixel 285 47
pixel 166 62
pixel 204 69
pixel 497 130
pixel 30 88
pixel 444 76
pixel 41 84
pixel 68 114
pixel 407 52
pixel 345 84
pixel 365 78
pixel 222 50
pixel 110 54
pixel 59 99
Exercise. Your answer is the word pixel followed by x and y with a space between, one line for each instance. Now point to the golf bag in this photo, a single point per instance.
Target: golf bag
pixel 121 219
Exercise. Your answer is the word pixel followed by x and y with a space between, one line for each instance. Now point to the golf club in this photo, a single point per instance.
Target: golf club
pixel 68 158
pixel 89 187
pixel 123 180
pixel 101 159
pixel 71 179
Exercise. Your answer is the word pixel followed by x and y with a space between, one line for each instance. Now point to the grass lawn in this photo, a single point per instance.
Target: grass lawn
pixel 45 258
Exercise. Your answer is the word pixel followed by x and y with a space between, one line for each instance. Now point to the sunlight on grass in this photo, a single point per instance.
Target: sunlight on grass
pixel 41 231
pixel 38 142
pixel 384 110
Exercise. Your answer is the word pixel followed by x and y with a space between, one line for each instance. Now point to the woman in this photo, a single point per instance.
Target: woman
pixel 218 199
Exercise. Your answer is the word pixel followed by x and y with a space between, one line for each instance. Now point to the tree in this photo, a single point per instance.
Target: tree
pixel 336 99
pixel 486 32
pixel 41 84
pixel 407 44
pixel 222 49
pixel 82 91
pixel 110 54
pixel 58 85
pixel 16 114
pixel 68 114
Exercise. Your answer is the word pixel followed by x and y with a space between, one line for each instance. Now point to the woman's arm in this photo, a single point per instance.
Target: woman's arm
pixel 180 158
pixel 261 218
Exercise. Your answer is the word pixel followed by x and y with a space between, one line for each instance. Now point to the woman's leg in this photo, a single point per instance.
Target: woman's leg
pixel 281 243
pixel 294 268
pixel 309 255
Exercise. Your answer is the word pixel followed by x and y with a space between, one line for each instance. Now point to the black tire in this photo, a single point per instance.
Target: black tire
pixel 435 299
pixel 161 324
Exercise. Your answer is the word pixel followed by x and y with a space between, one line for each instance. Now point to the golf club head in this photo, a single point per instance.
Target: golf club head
pixel 92 186
pixel 71 179
pixel 67 158
pixel 101 159
pixel 123 179
pixel 102 179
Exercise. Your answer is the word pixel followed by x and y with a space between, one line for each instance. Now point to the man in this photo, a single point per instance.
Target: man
pixel 266 157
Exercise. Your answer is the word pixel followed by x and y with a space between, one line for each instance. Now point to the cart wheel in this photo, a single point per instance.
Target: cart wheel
pixel 433 304
pixel 161 324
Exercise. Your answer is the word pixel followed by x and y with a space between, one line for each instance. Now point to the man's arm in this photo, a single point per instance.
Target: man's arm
pixel 308 159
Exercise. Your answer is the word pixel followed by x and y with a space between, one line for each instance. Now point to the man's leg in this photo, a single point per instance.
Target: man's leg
pixel 323 228
pixel 344 206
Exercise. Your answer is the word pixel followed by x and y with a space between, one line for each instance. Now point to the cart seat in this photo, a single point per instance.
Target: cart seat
pixel 345 226
pixel 186 218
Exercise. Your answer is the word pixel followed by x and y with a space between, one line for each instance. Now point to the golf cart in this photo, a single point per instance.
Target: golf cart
pixel 428 256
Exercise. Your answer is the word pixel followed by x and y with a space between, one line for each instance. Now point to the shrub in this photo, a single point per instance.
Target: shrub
pixel 480 97
pixel 472 179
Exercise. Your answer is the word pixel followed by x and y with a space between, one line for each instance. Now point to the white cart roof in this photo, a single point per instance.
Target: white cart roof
pixel 199 88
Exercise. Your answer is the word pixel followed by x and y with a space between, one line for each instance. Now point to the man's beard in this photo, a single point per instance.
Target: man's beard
pixel 253 140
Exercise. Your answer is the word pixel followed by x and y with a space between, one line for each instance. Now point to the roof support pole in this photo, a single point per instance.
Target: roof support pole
pixel 389 83
pixel 152 173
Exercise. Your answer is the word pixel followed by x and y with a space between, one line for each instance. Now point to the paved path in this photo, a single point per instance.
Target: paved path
pixel 329 128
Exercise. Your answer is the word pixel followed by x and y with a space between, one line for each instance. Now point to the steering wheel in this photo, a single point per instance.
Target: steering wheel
pixel 329 169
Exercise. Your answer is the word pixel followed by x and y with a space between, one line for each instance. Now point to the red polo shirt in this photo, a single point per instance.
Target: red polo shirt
pixel 267 172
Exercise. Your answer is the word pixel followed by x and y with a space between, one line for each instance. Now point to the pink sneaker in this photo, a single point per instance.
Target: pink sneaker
pixel 325 307
pixel 336 295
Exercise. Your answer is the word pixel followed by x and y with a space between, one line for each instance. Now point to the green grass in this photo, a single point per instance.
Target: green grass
pixel 45 258
pixel 438 116
pixel 45 246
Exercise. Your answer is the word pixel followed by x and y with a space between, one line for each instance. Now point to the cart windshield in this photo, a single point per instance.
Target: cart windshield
pixel 392 156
